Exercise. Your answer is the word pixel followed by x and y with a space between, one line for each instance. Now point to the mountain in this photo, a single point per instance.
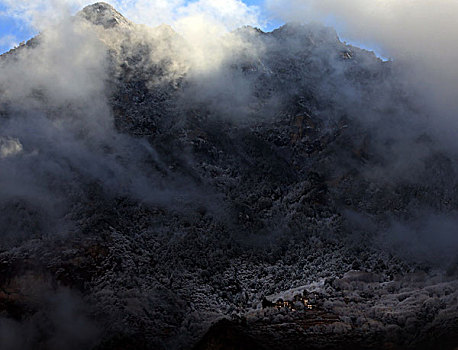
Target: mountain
pixel 254 190
pixel 103 14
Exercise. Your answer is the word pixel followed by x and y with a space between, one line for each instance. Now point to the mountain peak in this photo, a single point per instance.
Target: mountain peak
pixel 313 31
pixel 103 14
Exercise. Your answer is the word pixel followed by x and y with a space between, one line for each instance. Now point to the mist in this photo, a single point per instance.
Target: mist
pixel 164 169
pixel 64 93
pixel 65 322
pixel 418 36
pixel 58 134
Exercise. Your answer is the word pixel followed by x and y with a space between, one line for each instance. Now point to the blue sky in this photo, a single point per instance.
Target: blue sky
pixel 12 30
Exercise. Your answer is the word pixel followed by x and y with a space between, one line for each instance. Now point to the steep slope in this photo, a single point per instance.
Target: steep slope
pixel 149 191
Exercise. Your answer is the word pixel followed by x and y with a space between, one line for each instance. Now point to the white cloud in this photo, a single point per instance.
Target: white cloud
pixel 40 13
pixel 399 27
pixel 8 41
pixel 229 13
pixel 9 147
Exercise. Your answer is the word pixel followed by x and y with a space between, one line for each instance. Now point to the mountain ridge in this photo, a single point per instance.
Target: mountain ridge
pixel 274 180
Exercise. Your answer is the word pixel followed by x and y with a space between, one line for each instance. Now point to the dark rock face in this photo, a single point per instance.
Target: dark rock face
pixel 167 199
